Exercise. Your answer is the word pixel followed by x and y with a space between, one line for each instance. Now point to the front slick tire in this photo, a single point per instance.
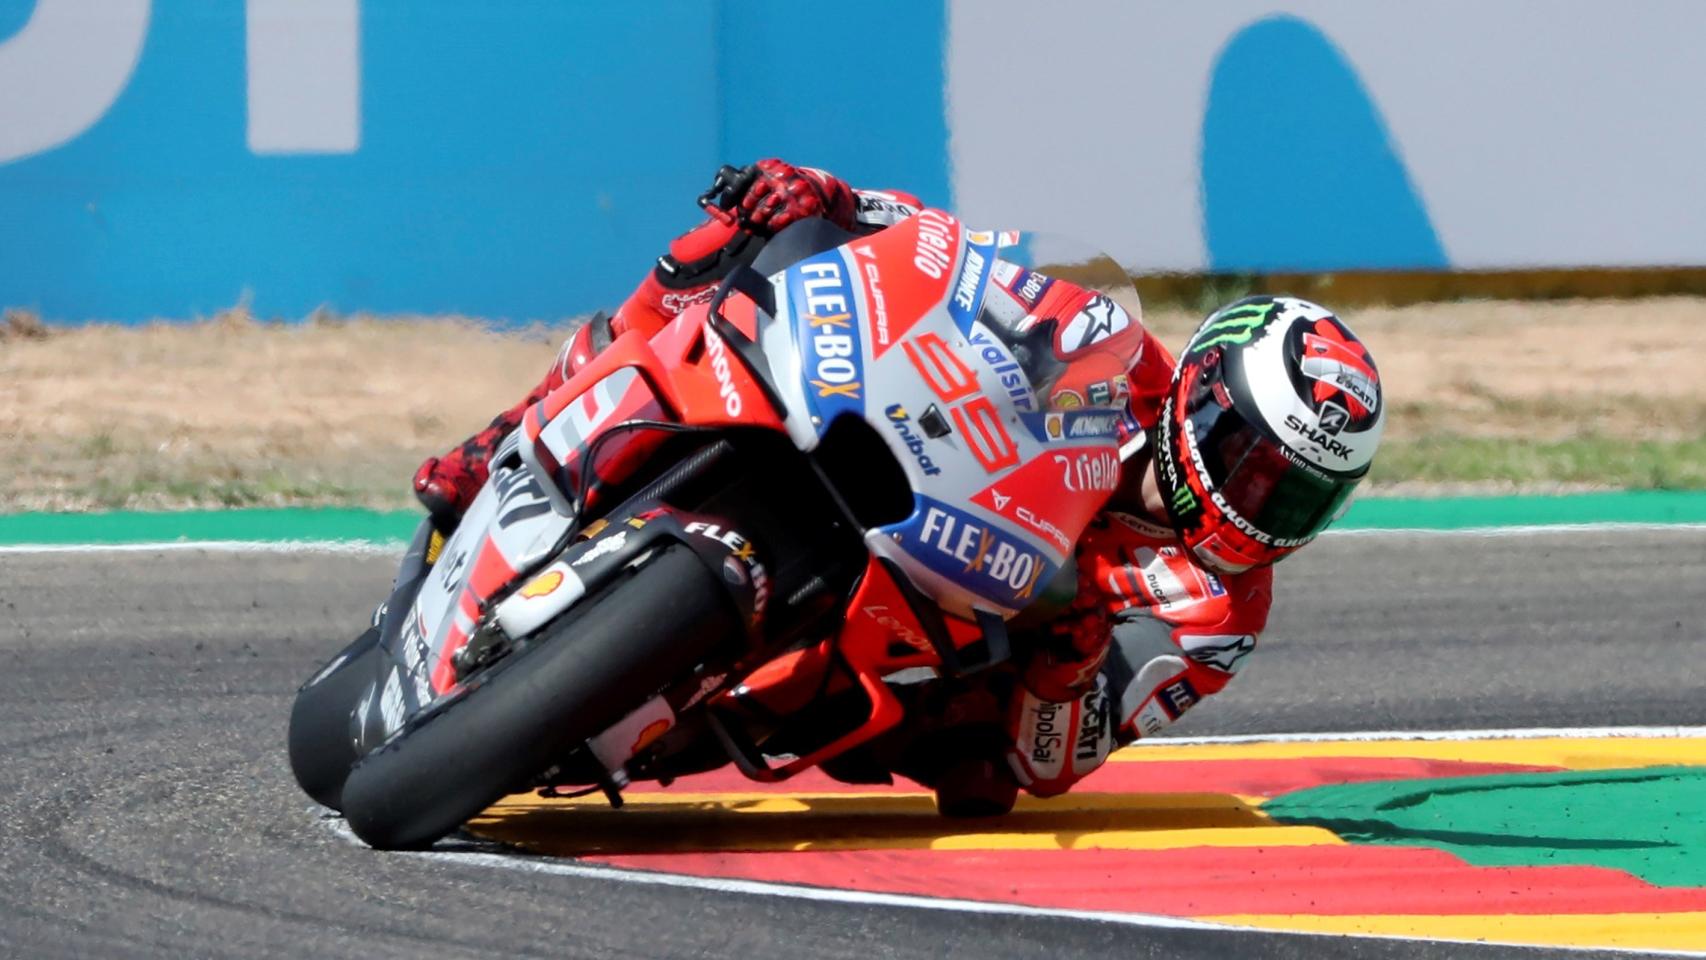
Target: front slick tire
pixel 321 748
pixel 535 706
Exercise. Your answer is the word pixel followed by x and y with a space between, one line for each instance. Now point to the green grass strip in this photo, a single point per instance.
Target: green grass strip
pixel 1459 513
pixel 395 526
pixel 1644 821
pixel 276 526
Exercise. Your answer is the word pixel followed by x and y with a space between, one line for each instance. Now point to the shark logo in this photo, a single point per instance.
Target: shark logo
pixel 1333 418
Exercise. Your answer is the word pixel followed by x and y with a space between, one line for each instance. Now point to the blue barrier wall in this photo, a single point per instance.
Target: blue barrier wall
pixel 1304 147
pixel 523 160
pixel 527 159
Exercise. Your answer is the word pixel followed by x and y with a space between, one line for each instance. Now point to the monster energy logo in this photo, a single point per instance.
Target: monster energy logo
pixel 1184 500
pixel 1235 326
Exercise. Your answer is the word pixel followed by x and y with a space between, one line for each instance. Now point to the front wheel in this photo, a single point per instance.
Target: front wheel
pixel 534 707
pixel 321 748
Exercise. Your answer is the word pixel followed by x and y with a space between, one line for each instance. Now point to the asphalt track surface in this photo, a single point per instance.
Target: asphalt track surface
pixel 146 807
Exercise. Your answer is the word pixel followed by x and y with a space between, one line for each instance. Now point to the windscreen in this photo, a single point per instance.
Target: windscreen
pixel 1072 321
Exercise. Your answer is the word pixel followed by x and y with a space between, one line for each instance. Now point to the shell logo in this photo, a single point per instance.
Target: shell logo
pixel 543 584
pixel 652 731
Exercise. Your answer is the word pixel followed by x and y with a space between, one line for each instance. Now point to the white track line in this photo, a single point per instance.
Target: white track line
pixel 361 547
pixel 1520 530
pixel 534 864
pixel 529 863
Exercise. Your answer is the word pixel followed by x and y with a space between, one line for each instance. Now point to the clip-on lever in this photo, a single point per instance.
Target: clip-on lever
pixel 726 189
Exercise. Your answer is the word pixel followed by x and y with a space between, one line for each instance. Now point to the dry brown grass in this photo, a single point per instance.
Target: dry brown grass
pixel 1535 371
pixel 21 325
pixel 234 412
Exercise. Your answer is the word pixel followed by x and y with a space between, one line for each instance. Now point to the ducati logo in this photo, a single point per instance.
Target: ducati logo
pixel 1340 367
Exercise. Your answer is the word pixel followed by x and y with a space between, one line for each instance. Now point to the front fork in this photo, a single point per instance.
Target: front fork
pixel 599 560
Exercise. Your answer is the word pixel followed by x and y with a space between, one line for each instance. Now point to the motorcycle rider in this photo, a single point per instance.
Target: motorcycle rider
pixel 1243 451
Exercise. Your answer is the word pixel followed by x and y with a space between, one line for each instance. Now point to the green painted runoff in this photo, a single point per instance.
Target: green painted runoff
pixel 1643 821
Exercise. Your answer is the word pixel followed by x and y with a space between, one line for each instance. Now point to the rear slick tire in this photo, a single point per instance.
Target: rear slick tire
pixel 531 709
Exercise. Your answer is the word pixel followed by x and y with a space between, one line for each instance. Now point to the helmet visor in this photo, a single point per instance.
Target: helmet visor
pixel 1282 498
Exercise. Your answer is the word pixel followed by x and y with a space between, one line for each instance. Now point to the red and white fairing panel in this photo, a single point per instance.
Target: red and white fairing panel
pixel 887 328
pixel 518 518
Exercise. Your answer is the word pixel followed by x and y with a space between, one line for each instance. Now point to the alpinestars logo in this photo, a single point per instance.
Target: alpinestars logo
pixel 1221 652
pixel 1340 366
pixel 1100 319
pixel 674 303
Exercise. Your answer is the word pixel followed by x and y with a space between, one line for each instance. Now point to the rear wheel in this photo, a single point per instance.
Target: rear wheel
pixel 321 748
pixel 534 707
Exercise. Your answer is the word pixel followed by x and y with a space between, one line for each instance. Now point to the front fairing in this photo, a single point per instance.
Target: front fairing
pixel 887 329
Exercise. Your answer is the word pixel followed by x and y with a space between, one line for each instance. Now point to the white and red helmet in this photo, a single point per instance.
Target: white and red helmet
pixel 1272 419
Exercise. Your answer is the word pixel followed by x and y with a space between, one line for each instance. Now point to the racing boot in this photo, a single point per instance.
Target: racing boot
pixel 954 741
pixel 447 485
pixel 976 787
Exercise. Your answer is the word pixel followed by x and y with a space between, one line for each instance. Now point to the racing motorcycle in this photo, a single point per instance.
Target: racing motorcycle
pixel 723 544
